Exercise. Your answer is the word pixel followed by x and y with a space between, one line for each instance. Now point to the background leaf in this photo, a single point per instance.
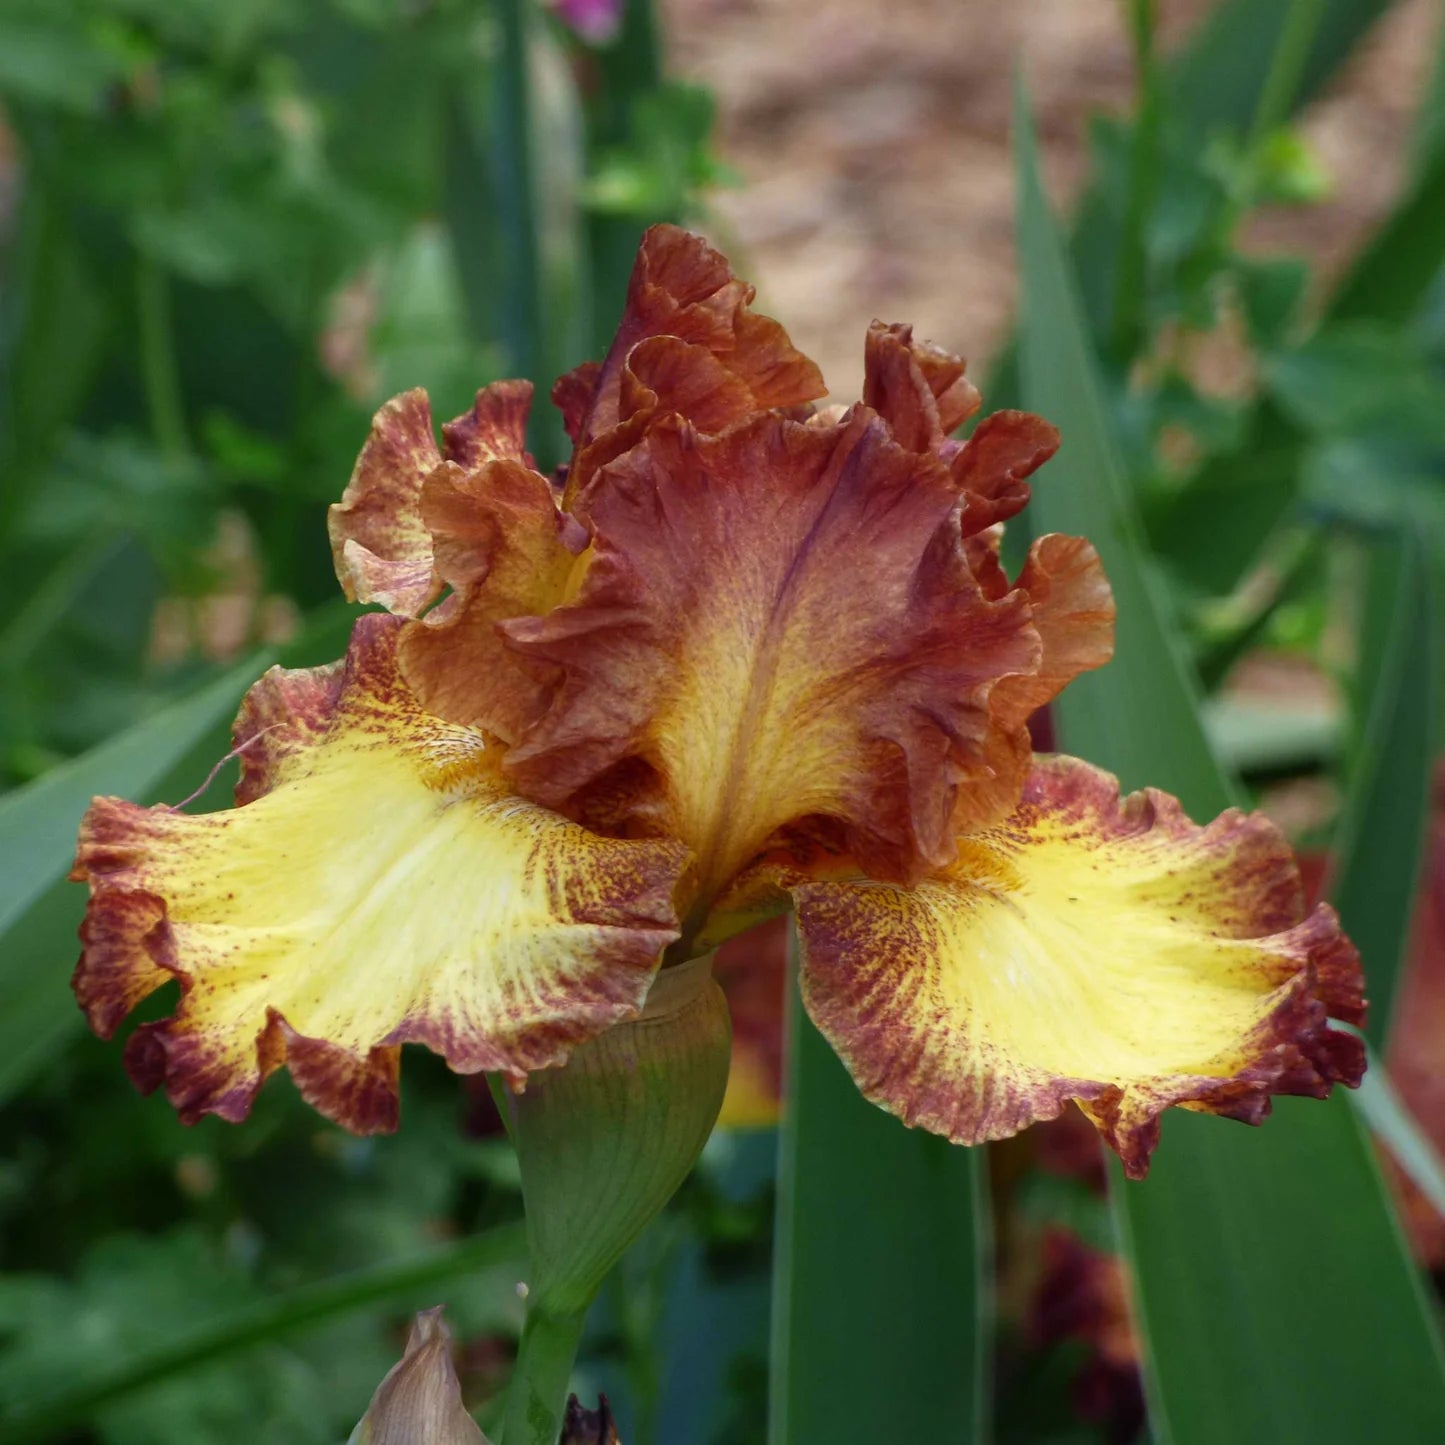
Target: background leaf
pixel 38 822
pixel 1381 835
pixel 880 1313
pixel 1248 1248
pixel 163 758
pixel 410 1281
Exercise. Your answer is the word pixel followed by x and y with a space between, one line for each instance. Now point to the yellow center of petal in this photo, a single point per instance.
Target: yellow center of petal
pixel 1096 964
pixel 387 888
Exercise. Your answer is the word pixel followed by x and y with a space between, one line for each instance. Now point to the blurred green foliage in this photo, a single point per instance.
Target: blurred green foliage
pixel 228 230
pixel 231 228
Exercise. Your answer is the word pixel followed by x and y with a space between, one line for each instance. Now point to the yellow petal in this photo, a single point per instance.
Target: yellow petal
pixel 1091 949
pixel 382 887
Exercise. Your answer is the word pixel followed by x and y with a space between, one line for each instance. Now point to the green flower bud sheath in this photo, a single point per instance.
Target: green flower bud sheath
pixel 603 1144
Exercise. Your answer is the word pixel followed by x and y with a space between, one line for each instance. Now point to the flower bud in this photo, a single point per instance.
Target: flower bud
pixel 420 1400
pixel 581 1426
pixel 605 1140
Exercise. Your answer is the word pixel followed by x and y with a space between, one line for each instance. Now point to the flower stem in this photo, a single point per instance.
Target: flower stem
pixel 539 1382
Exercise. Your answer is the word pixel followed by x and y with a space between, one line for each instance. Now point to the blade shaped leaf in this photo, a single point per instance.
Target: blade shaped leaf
pixel 1262 1260
pixel 1221 75
pixel 1382 1108
pixel 165 756
pixel 1382 833
pixel 879 1282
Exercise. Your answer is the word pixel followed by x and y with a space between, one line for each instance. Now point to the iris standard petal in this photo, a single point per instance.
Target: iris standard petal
pixel 681 287
pixel 715 357
pixel 505 551
pixel 1073 611
pixel 993 466
pixel 777 624
pixel 919 389
pixel 1106 951
pixel 382 886
pixel 381 546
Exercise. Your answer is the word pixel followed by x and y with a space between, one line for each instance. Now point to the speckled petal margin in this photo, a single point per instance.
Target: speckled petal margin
pixel 381 887
pixel 1106 951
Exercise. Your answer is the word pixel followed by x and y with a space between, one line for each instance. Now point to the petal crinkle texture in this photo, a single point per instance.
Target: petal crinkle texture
pixel 688 343
pixel 1073 612
pixel 780 624
pixel 380 543
pixel 382 887
pixel 505 551
pixel 919 389
pixel 1105 951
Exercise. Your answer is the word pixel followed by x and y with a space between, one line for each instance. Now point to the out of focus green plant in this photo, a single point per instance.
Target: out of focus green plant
pixel 232 228
pixel 229 231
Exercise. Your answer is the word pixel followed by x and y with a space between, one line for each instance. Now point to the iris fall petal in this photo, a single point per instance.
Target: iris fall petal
pixel 382 887
pixel 1106 951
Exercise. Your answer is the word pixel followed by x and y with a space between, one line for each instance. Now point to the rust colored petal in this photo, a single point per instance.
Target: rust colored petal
pixel 1105 951
pixel 779 622
pixel 664 373
pixel 380 543
pixel 505 550
pixel 572 395
pixel 495 429
pixel 916 387
pixel 987 799
pixel 753 972
pixel 681 287
pixel 992 468
pixel 983 550
pixel 1073 610
pixel 385 888
pixel 1082 1294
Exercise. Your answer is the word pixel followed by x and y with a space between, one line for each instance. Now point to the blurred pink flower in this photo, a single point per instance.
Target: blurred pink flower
pixel 596 21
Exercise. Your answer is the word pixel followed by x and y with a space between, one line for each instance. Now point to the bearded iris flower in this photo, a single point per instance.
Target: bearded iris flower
pixel 741 655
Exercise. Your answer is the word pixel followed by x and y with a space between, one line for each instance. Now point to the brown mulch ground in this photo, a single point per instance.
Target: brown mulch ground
pixel 873 139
